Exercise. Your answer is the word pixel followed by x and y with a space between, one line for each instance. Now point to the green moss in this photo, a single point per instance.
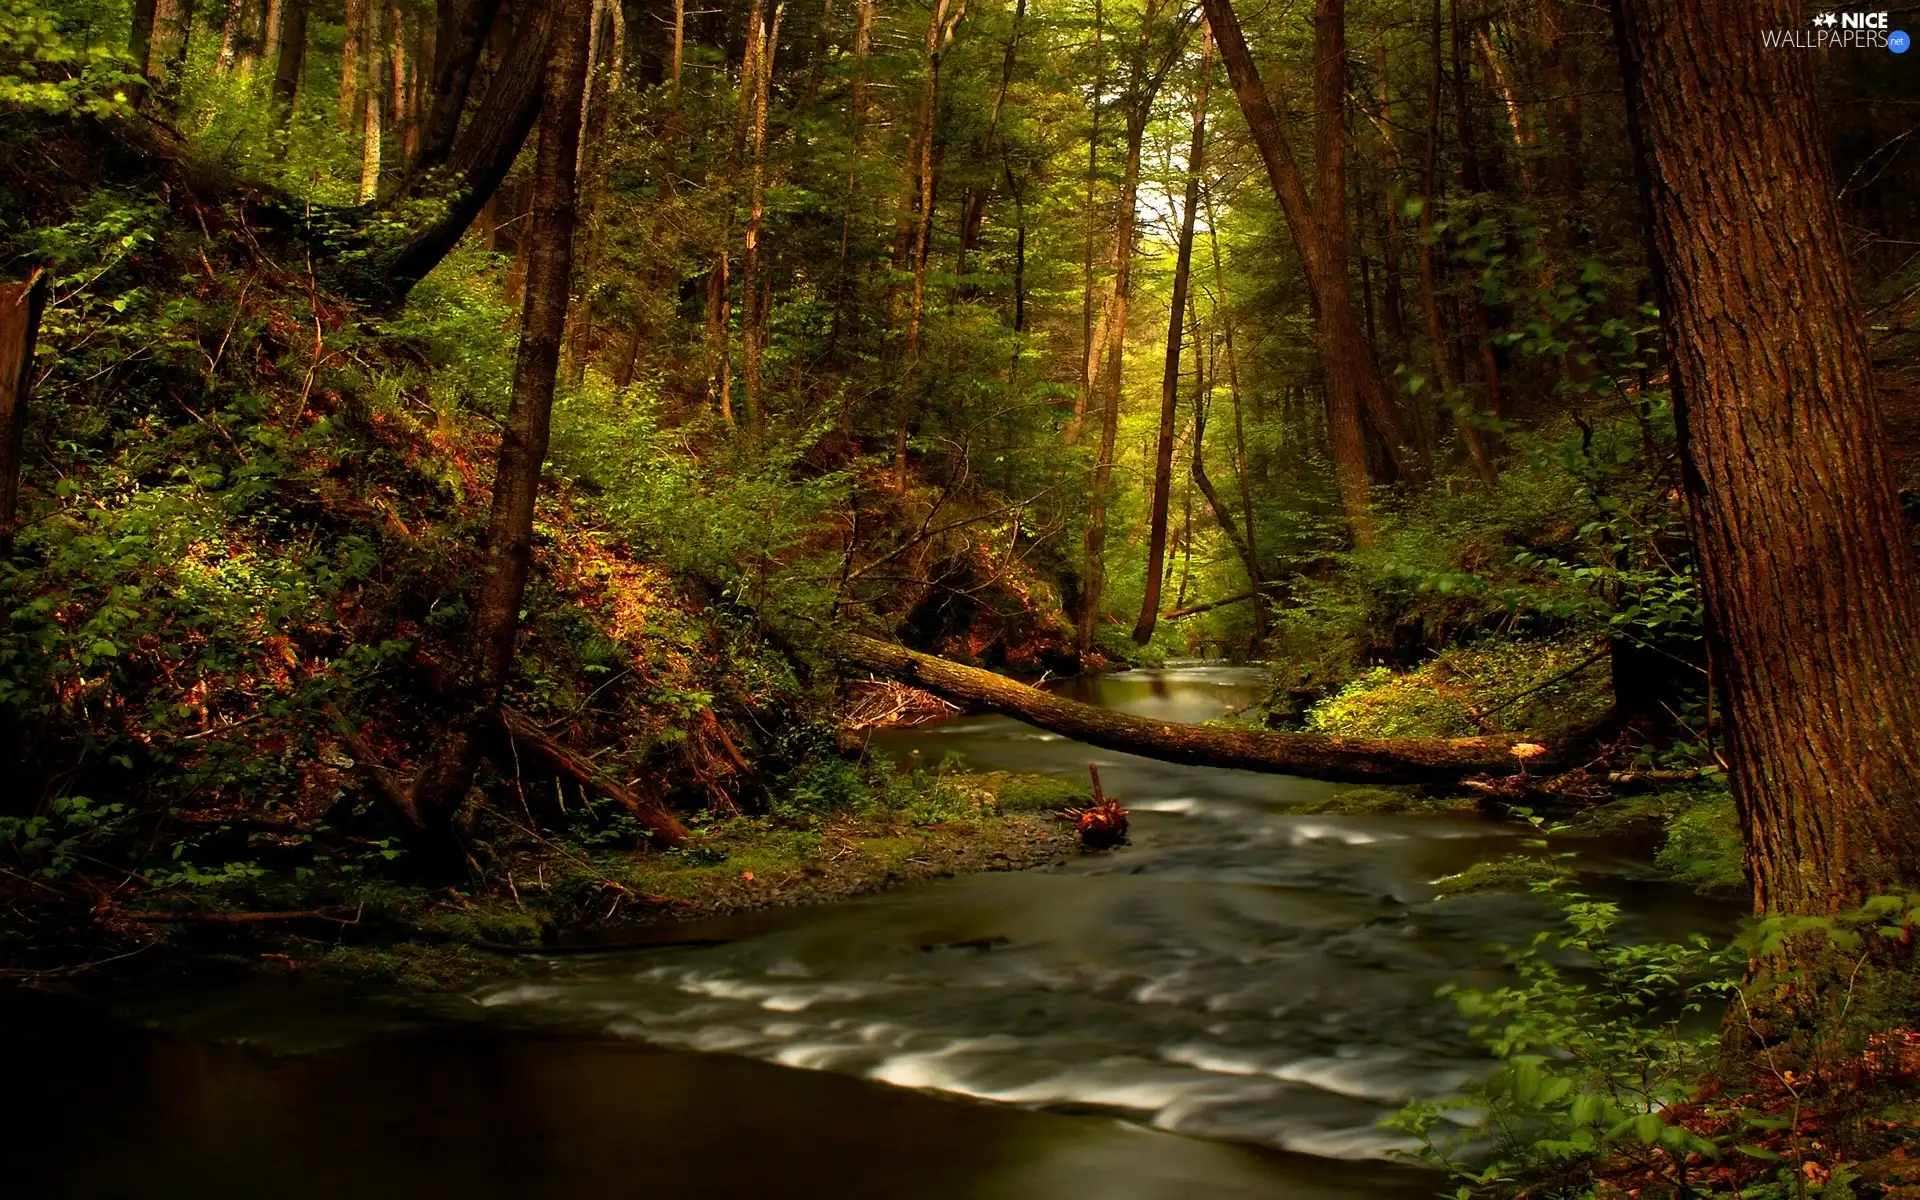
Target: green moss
pixel 1440 698
pixel 505 922
pixel 414 966
pixel 1033 793
pixel 1703 847
pixel 1514 873
pixel 1386 801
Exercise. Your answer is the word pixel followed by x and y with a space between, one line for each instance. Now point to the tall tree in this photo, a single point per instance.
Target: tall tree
pixel 372 99
pixel 1807 568
pixel 941 25
pixel 291 60
pixel 442 785
pixel 1170 374
pixel 460 34
pixel 1144 78
pixel 480 158
pixel 753 334
pixel 1345 358
pixel 351 71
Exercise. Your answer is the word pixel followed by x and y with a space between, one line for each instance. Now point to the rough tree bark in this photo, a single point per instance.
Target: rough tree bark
pixel 1170 375
pixel 440 790
pixel 20 308
pixel 1309 755
pixel 140 43
pixel 1813 613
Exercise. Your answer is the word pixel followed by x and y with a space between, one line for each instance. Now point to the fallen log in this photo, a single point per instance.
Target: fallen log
pixel 1309 755
pixel 648 811
pixel 1194 610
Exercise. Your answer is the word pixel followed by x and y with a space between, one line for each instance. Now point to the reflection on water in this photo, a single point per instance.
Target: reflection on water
pixel 1258 979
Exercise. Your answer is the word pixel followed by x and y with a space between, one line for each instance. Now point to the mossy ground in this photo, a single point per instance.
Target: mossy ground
pixel 416 940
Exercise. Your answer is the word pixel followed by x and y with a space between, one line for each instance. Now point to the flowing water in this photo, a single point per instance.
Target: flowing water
pixel 1226 1007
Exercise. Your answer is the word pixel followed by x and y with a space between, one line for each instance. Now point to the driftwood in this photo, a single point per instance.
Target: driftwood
pixel 1310 755
pixel 648 811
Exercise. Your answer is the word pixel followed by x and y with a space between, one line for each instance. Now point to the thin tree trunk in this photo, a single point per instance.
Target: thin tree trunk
pixel 1090 341
pixel 1170 375
pixel 1806 565
pixel 1094 544
pixel 753 334
pixel 20 307
pixel 844 278
pixel 941 24
pixel 679 45
pixel 372 108
pixel 447 774
pixel 351 115
pixel 290 64
pixel 1441 360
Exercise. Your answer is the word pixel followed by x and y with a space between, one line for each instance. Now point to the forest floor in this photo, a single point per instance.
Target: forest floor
pixel 567 897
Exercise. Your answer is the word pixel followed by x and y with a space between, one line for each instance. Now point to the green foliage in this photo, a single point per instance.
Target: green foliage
pixel 51 845
pixel 49 65
pixel 1596 1041
pixel 1602 1045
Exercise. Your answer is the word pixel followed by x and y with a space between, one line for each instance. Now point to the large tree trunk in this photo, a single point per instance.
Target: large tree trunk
pixel 140 35
pixel 20 308
pixel 481 156
pixel 1813 613
pixel 446 775
pixel 350 68
pixel 1344 353
pixel 458 42
pixel 1309 755
pixel 1170 375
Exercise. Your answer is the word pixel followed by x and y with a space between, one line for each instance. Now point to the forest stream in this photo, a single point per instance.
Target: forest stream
pixel 1226 1007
